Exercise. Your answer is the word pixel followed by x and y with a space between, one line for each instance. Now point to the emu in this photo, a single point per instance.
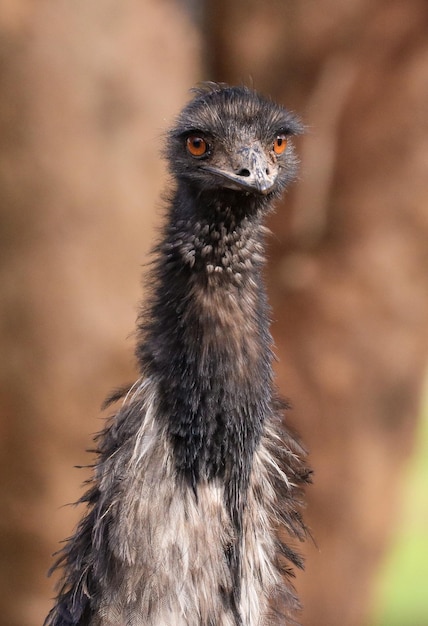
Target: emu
pixel 195 501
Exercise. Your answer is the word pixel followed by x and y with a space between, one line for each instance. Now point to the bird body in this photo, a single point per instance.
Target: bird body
pixel 195 475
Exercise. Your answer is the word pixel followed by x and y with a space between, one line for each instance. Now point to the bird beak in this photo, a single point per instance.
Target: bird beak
pixel 252 171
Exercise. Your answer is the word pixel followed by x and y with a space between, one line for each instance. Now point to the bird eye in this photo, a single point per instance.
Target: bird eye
pixel 196 146
pixel 280 144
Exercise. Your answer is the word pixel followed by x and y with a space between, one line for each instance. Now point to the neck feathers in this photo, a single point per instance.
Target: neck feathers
pixel 206 339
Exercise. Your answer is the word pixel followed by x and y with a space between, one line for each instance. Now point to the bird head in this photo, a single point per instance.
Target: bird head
pixel 231 138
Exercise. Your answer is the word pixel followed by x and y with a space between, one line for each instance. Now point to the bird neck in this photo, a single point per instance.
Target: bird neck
pixel 205 338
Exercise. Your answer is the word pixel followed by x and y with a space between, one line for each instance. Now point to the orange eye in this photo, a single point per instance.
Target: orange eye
pixel 280 144
pixel 196 146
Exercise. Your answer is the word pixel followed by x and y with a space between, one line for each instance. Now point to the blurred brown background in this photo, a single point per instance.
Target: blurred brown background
pixel 86 89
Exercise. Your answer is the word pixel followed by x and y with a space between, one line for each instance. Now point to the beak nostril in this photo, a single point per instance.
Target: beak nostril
pixel 244 172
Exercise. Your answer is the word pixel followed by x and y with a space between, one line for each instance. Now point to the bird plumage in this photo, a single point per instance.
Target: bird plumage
pixel 196 479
